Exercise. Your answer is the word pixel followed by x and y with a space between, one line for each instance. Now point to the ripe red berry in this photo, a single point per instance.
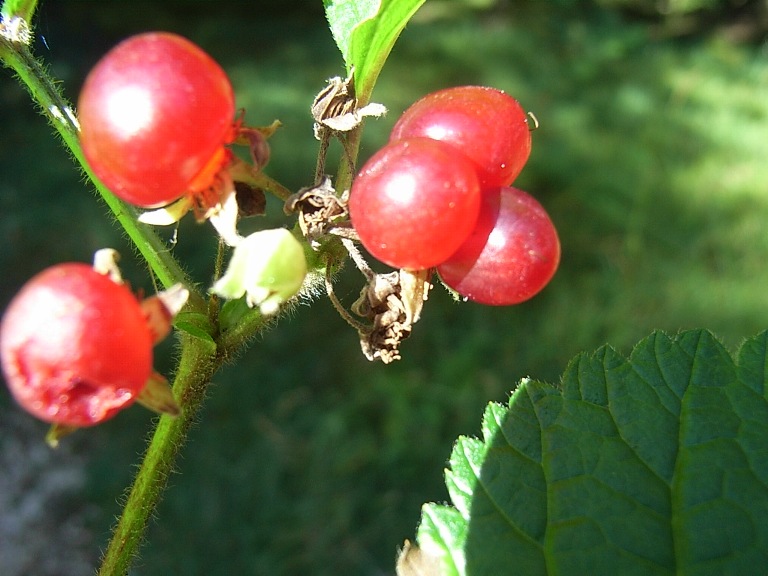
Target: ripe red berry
pixel 75 346
pixel 486 124
pixel 414 202
pixel 155 113
pixel 510 256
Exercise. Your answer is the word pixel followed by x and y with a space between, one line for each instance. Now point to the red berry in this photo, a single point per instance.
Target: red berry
pixel 414 202
pixel 486 124
pixel 75 346
pixel 510 256
pixel 155 113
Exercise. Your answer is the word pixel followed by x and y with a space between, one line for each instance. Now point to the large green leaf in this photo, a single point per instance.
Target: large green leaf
pixel 365 31
pixel 656 464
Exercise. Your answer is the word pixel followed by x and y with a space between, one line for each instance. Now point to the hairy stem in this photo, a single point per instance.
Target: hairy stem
pixel 351 149
pixel 23 9
pixel 196 368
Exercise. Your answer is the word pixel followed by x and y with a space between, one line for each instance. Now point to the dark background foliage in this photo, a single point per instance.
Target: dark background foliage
pixel 307 458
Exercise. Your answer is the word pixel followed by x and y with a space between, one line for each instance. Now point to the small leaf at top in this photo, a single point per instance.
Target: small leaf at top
pixel 365 31
pixel 198 326
pixel 344 16
pixel 652 464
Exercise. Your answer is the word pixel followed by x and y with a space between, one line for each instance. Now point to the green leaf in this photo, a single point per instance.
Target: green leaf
pixel 365 31
pixel 344 16
pixel 655 464
pixel 235 312
pixel 198 326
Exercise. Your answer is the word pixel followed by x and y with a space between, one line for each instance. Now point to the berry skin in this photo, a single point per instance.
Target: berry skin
pixel 510 256
pixel 155 113
pixel 414 202
pixel 75 346
pixel 486 124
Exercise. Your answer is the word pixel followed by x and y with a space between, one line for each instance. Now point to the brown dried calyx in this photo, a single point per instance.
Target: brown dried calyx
pixel 251 201
pixel 336 107
pixel 393 303
pixel 319 208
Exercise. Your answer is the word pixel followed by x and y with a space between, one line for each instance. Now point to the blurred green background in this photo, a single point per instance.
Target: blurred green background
pixel 652 158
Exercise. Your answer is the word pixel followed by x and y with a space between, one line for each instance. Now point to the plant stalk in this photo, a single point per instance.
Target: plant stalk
pixel 345 172
pixel 196 368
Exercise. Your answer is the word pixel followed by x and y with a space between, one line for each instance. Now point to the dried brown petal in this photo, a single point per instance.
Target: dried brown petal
pixel 337 98
pixel 336 107
pixel 393 303
pixel 257 146
pixel 319 209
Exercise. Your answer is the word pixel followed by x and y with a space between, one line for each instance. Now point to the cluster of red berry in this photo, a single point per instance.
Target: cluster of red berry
pixel 76 344
pixel 438 195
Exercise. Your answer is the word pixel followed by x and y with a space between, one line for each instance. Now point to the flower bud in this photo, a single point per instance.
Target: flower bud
pixel 268 267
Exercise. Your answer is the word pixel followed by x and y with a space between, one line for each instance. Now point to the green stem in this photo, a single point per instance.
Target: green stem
pixel 60 114
pixel 231 341
pixel 243 172
pixel 196 368
pixel 345 172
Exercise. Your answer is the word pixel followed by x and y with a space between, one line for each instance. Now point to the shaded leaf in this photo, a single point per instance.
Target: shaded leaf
pixel 234 313
pixel 655 464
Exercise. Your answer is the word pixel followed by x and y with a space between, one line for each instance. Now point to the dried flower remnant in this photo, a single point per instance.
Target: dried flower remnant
pixel 393 303
pixel 319 209
pixel 336 107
